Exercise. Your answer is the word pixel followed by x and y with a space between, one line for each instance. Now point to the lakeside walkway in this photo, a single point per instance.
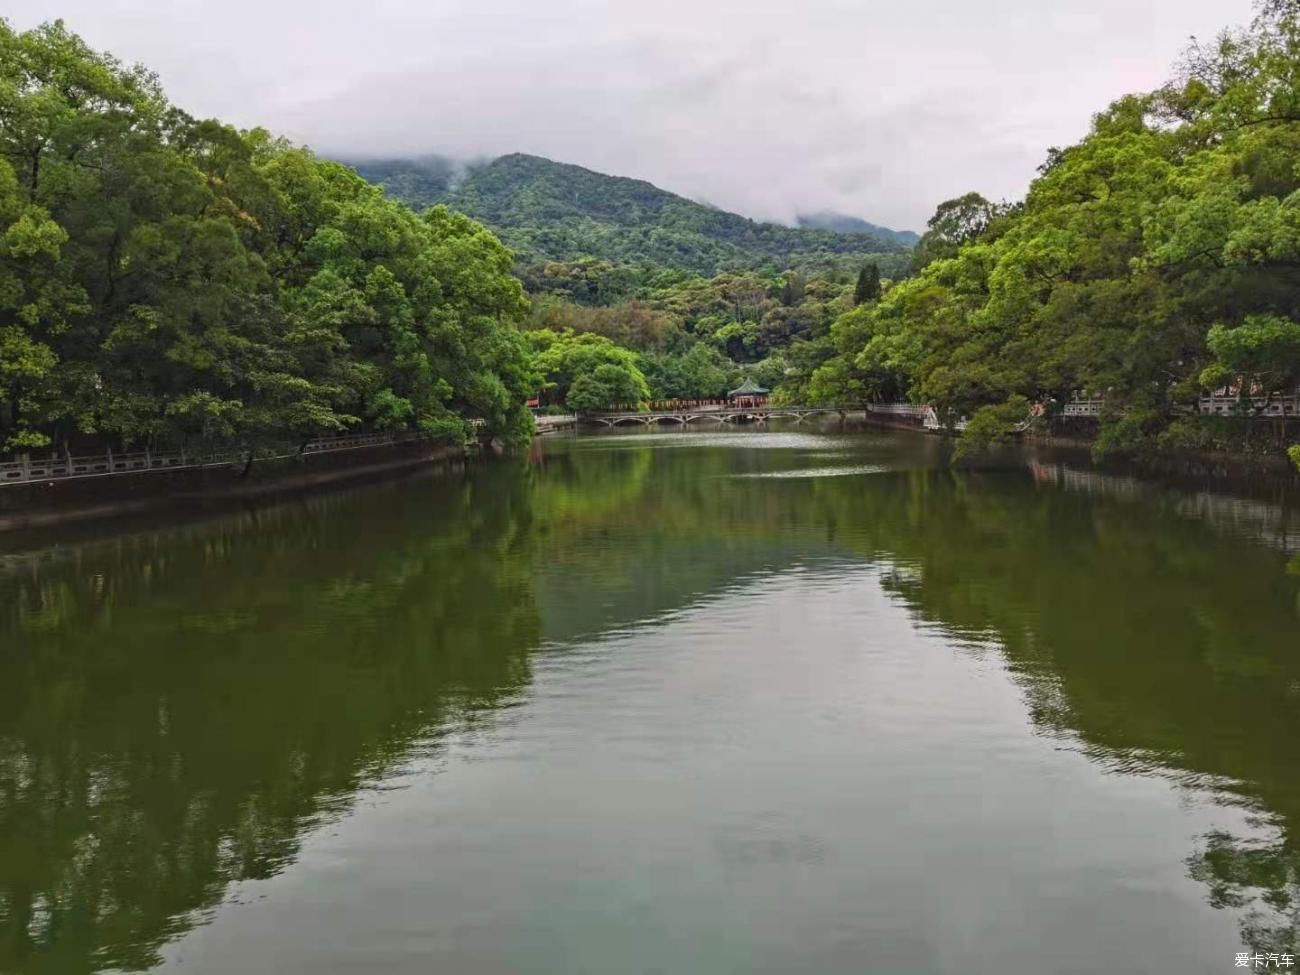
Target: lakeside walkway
pixel 26 469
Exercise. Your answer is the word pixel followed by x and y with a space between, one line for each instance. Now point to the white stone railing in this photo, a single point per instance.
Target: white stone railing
pixel 554 422
pixel 26 468
pixel 1260 405
pixel 1084 406
pixel 898 409
pixel 1280 406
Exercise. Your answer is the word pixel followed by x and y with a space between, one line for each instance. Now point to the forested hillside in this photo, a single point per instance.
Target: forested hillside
pixel 549 211
pixel 666 297
pixel 170 280
pixel 1155 260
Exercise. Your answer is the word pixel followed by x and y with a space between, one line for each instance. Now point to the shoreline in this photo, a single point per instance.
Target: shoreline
pixel 38 505
pixel 51 503
pixel 1226 467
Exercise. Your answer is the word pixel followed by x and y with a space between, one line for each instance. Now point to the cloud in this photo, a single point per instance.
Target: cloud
pixel 873 109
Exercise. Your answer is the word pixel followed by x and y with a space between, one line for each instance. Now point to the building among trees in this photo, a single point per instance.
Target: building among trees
pixel 748 393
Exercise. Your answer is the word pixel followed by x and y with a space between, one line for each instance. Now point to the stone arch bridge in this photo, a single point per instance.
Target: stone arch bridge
pixel 748 414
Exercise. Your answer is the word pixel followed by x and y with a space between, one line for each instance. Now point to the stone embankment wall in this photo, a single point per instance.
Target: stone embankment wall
pixel 38 503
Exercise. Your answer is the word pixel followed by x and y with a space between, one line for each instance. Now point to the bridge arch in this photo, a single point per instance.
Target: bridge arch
pixel 752 414
pixel 692 417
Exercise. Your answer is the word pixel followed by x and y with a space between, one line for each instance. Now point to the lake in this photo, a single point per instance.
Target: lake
pixel 754 701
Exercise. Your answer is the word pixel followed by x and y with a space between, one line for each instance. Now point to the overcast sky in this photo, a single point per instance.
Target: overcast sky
pixel 877 109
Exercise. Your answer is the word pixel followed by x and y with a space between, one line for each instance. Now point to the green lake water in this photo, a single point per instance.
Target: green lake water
pixel 677 702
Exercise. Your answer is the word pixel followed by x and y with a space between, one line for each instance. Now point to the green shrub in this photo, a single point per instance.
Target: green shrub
pixel 992 425
pixel 1129 434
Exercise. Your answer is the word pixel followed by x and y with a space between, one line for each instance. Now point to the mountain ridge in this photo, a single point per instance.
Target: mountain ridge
pixel 843 223
pixel 551 211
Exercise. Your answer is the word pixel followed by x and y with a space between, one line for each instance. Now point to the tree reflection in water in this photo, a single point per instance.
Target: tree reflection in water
pixel 179 706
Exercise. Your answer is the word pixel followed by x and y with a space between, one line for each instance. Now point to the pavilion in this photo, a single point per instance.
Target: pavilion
pixel 748 393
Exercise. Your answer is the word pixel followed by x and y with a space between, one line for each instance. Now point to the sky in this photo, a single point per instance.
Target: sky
pixel 878 110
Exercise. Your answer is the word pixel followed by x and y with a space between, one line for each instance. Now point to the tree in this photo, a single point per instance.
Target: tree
pixel 992 425
pixel 868 286
pixel 955 223
pixel 705 372
pixel 605 387
pixel 1264 348
pixel 561 360
pixel 34 304
pixel 772 371
pixel 792 288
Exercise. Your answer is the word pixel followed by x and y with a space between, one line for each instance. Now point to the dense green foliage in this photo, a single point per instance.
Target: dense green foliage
pixel 868 286
pixel 165 280
pixel 549 211
pixel 992 425
pixel 955 224
pixel 1154 260
pixel 698 337
pixel 587 372
pixel 701 372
